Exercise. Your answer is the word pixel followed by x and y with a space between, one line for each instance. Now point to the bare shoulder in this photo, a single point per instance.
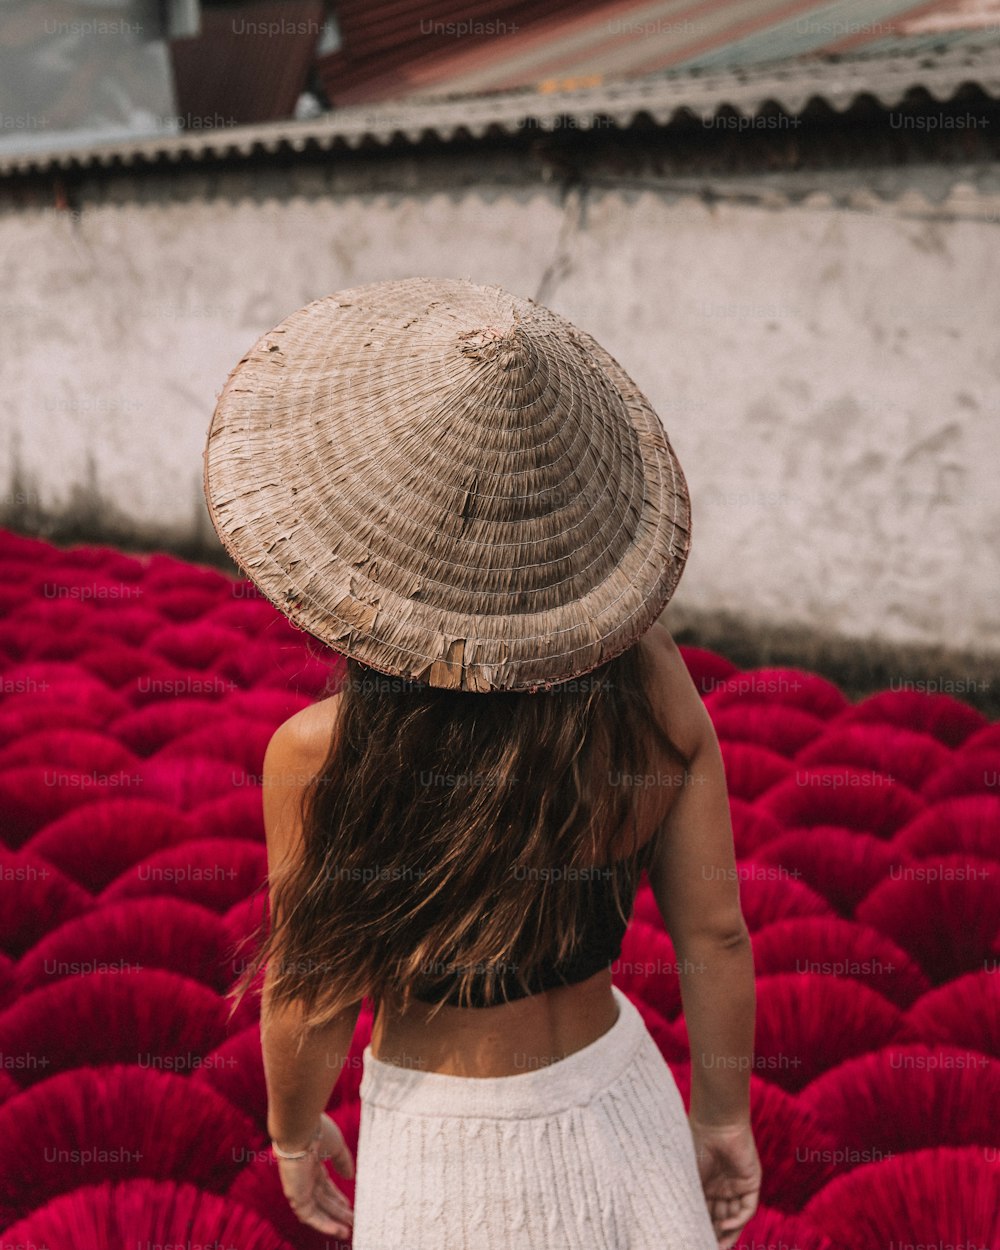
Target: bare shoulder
pixel 295 754
pixel 305 737
pixel 661 643
pixel 673 695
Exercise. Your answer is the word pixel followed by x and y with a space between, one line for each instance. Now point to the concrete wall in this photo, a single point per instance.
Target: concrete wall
pixel 826 371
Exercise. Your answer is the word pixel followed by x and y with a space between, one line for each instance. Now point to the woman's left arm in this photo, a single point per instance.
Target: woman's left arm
pixel 301 1067
pixel 300 1078
pixel 300 1072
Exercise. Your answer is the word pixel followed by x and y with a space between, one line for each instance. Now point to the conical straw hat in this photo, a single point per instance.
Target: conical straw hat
pixel 451 484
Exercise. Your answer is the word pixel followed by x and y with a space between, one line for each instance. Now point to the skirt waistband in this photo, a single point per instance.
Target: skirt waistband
pixel 571 1081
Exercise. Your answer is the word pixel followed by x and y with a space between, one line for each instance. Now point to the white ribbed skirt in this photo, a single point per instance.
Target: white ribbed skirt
pixel 592 1152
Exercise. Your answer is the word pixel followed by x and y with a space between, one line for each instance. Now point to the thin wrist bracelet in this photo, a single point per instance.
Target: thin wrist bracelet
pixel 298 1154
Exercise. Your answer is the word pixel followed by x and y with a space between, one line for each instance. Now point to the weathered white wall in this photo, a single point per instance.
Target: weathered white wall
pixel 827 375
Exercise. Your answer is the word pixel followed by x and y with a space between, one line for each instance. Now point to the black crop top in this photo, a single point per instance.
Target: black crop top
pixel 600 945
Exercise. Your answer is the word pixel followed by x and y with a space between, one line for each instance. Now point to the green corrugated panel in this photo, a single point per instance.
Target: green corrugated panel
pixel 937 42
pixel 807 32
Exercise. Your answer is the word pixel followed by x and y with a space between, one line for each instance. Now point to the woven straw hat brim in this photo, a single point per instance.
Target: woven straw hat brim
pixel 451 484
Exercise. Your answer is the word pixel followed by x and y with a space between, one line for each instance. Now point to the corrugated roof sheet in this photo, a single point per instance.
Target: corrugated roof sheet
pixel 627 39
pixel 838 83
pixel 380 41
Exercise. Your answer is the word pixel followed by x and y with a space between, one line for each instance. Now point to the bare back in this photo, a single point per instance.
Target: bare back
pixel 543 1028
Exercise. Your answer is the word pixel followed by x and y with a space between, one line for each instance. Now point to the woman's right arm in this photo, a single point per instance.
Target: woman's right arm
pixel 693 874
pixel 694 879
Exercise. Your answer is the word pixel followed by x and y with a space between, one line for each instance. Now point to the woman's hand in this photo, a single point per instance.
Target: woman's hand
pixel 313 1196
pixel 730 1176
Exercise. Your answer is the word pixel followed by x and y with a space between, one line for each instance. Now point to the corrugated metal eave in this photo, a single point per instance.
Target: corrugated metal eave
pixel 837 83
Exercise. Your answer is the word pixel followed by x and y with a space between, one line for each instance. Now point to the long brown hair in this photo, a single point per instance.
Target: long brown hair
pixel 454 832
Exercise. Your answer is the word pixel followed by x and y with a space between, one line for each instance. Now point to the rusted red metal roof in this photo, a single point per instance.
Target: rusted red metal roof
pixel 400 50
pixel 911 65
pixel 383 44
